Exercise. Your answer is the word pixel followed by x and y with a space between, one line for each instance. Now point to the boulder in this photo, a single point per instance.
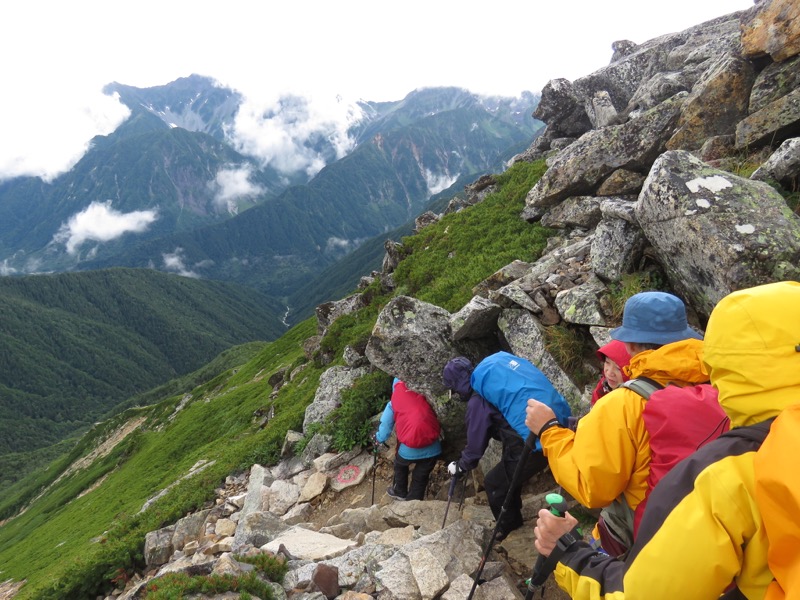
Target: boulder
pixel 715 232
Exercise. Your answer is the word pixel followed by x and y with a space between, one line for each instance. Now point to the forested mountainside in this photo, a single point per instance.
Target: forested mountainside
pixel 188 195
pixel 75 345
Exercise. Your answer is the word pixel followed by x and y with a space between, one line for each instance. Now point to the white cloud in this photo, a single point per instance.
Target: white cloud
pixel 437 183
pixel 337 245
pixel 287 132
pixel 99 222
pixel 232 184
pixel 6 269
pixel 53 140
pixel 174 262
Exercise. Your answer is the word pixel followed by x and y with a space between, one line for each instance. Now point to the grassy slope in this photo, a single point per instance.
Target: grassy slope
pixel 51 545
pixel 52 540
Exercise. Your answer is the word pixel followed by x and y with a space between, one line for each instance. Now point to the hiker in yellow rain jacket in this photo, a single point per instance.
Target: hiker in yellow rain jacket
pixel 605 462
pixel 724 521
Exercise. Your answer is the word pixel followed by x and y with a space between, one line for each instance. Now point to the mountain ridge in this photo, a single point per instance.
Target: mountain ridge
pixel 172 173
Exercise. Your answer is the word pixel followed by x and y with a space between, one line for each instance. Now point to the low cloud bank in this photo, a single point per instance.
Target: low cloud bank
pixel 175 262
pixel 292 133
pixel 232 184
pixel 101 223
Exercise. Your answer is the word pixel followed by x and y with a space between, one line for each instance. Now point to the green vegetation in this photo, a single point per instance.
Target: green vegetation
pixel 568 346
pixel 75 345
pixel 175 586
pixel 350 424
pixel 464 248
pixel 70 545
pixel 78 539
pixel 630 284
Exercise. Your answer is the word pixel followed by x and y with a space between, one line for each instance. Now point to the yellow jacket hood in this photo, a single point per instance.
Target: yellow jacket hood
pixel 752 351
pixel 679 363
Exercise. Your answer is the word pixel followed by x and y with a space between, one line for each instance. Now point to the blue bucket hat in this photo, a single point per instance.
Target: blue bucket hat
pixel 654 318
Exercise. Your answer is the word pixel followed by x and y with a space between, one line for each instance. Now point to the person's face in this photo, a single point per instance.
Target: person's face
pixel 613 373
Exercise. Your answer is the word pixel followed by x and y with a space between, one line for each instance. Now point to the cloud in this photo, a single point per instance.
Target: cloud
pixel 438 183
pixel 99 222
pixel 175 263
pixel 50 142
pixel 232 184
pixel 341 246
pixel 6 269
pixel 292 133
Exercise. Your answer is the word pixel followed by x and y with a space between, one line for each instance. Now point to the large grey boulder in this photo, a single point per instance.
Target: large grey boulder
pixel 412 341
pixel 328 312
pixel 775 81
pixel 782 166
pixel 580 168
pixel 618 241
pixel 716 104
pixel 775 122
pixel 329 393
pixel 562 110
pixel 477 319
pixel 256 529
pixel 715 232
pixel 158 546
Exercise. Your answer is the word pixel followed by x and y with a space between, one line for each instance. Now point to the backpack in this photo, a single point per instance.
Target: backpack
pixel 507 381
pixel 415 421
pixel 679 420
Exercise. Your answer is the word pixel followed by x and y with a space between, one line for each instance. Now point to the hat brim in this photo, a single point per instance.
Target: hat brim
pixel 637 336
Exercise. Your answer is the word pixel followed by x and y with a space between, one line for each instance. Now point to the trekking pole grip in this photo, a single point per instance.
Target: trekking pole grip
pixel 558 507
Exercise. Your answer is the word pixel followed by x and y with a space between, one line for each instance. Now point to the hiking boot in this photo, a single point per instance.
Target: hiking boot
pixel 393 494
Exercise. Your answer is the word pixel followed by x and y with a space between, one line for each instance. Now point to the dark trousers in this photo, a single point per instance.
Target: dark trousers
pixel 498 482
pixel 419 476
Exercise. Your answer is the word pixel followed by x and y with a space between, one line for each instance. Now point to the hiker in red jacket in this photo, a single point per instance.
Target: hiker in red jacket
pixel 418 442
pixel 614 358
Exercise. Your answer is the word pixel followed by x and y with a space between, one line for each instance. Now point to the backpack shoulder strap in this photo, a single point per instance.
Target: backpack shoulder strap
pixel 644 386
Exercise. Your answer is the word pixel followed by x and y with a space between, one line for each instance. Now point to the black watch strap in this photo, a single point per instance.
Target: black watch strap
pixel 566 541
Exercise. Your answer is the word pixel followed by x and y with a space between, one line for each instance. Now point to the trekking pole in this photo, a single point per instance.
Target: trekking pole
pixel 463 493
pixel 517 474
pixel 374 471
pixel 375 450
pixel 450 493
pixel 542 569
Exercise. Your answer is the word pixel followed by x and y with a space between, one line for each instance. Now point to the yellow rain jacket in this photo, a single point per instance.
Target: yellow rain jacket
pixel 703 531
pixel 609 453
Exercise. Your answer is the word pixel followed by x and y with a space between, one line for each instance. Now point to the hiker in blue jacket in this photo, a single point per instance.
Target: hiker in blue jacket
pixel 418 444
pixel 485 420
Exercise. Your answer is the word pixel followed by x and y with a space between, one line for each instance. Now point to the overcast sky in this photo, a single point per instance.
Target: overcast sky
pixel 57 55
